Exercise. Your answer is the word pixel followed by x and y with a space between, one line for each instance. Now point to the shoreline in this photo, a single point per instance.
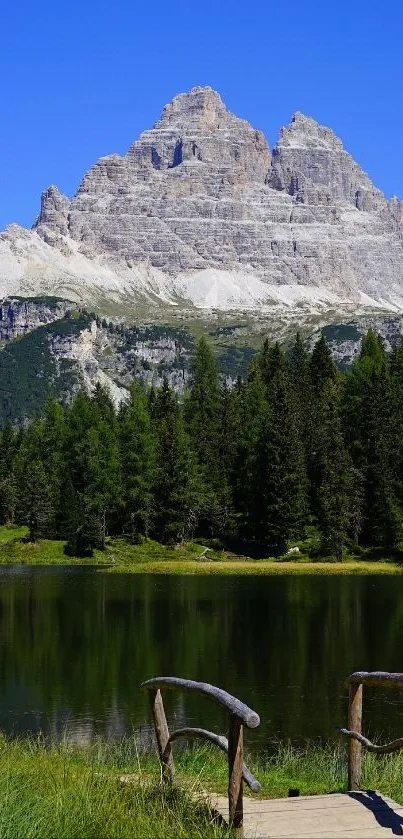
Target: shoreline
pixel 256 568
pixel 149 557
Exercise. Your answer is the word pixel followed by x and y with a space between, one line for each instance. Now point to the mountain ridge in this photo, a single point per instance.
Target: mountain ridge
pixel 199 215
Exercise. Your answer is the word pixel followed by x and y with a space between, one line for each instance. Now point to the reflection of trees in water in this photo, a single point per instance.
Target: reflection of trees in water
pixel 74 647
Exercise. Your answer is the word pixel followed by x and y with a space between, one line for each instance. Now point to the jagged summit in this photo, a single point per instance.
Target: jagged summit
pixel 201 106
pixel 305 131
pixel 196 127
pixel 199 212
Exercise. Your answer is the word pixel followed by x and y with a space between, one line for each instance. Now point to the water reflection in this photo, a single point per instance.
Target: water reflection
pixel 76 643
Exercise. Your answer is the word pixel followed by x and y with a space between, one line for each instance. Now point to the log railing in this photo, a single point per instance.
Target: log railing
pixel 355 683
pixel 239 715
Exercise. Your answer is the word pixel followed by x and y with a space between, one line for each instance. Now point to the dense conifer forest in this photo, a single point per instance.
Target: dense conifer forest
pixel 295 445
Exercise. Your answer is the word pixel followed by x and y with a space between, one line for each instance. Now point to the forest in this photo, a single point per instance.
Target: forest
pixel 295 445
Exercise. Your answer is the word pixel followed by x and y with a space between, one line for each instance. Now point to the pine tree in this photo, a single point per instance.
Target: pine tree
pixel 322 371
pixel 368 416
pixel 334 492
pixel 279 503
pixel 80 418
pixel 252 416
pixel 229 429
pixel 271 361
pixel 138 456
pixel 53 454
pixel 202 416
pixel 302 390
pixel 384 519
pixel 372 347
pixel 396 419
pixel 34 501
pixel 321 365
pixel 202 408
pixel 8 488
pixel 176 499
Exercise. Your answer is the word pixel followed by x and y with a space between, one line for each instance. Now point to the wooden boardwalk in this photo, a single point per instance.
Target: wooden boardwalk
pixel 339 816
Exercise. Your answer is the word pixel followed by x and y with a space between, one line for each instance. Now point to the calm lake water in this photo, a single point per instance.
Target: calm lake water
pixel 76 643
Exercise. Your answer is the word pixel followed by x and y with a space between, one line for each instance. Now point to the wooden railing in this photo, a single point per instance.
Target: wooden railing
pixel 355 683
pixel 239 715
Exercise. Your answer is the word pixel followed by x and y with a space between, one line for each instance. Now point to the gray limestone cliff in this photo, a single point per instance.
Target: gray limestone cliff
pixel 18 317
pixel 198 211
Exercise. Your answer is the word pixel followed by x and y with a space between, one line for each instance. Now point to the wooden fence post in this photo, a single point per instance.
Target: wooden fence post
pixel 354 747
pixel 235 765
pixel 162 735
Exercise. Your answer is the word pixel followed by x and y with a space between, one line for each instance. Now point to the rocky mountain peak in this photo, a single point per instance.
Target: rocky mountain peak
pixel 52 221
pixel 201 107
pixel 310 163
pixel 303 131
pixel 199 213
pixel 195 128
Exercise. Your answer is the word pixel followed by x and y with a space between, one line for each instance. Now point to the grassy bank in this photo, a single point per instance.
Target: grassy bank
pixel 78 793
pixel 257 568
pixel 189 558
pixel 66 791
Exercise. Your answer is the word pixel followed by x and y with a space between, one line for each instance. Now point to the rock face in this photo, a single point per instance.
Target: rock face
pixel 198 212
pixel 18 317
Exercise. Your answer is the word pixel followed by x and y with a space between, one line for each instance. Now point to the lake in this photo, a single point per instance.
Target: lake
pixel 77 642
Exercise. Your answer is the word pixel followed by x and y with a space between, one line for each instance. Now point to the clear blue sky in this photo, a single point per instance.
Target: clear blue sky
pixel 83 79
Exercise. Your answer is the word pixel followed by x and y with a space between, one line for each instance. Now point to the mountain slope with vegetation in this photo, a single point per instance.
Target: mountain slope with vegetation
pixel 294 446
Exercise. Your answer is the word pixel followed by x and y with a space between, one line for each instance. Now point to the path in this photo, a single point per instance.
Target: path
pixel 338 816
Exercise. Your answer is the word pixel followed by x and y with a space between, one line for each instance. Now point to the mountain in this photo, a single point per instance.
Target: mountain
pixel 50 347
pixel 200 217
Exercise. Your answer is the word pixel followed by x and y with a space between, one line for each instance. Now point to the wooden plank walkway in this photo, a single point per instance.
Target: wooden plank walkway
pixel 351 815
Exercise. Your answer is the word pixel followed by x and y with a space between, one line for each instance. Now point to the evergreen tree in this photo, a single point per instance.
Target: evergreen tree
pixel 334 493
pixel 202 416
pixel 34 500
pixel 279 507
pixel 229 430
pixel 9 445
pixel 368 416
pixel 252 416
pixel 53 455
pixel 138 456
pixel 202 407
pixel 176 498
pixel 302 390
pixel 321 365
pixel 396 419
pixel 271 361
pixel 94 460
pixel 372 347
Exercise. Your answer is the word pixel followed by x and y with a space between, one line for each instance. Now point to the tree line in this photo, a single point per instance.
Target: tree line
pixel 296 444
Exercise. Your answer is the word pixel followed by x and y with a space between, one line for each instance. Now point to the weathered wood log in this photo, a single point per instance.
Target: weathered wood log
pixel 233 705
pixel 235 765
pixel 387 748
pixel 377 678
pixel 222 743
pixel 354 747
pixel 162 735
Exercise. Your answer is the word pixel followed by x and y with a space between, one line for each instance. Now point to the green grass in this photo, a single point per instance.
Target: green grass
pixel 314 769
pixel 67 791
pixel 16 550
pixel 154 558
pixel 257 568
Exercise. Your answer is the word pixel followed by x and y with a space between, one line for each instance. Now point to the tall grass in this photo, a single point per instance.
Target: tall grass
pixel 313 769
pixel 61 792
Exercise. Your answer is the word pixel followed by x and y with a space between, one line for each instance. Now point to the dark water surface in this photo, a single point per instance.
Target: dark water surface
pixel 76 643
